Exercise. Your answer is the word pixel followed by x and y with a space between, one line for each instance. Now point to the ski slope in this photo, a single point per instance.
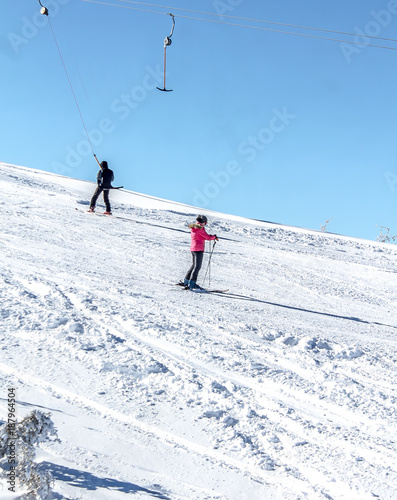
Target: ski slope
pixel 283 388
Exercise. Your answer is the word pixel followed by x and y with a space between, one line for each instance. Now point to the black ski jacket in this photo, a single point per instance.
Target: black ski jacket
pixel 105 177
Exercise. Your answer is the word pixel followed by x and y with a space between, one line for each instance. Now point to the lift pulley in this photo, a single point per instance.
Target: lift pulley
pixel 43 9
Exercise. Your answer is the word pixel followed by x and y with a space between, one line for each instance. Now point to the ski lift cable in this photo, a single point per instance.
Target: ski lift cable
pixel 245 26
pixel 254 20
pixel 125 7
pixel 44 11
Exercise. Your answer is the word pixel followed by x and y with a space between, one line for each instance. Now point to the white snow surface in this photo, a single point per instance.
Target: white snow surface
pixel 282 388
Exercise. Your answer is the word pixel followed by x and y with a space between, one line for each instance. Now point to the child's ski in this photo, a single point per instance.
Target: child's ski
pixel 201 289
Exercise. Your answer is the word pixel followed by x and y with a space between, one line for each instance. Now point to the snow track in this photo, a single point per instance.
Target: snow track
pixel 281 389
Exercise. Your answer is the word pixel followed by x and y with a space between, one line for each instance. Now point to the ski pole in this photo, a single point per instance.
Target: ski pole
pixel 209 263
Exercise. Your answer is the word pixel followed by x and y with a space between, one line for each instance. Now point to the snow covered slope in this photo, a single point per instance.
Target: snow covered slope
pixel 283 388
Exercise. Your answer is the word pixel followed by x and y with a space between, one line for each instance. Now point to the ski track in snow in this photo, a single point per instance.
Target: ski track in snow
pixel 281 388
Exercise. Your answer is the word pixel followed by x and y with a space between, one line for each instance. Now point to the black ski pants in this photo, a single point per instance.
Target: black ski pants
pixel 98 191
pixel 192 274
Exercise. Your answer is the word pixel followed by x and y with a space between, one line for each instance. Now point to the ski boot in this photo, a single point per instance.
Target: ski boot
pixel 192 285
pixel 185 282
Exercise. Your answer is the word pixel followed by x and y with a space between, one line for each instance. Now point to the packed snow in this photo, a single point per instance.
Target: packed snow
pixel 281 388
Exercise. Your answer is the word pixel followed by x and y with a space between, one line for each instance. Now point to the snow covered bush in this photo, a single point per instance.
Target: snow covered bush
pixel 324 226
pixel 34 429
pixel 385 237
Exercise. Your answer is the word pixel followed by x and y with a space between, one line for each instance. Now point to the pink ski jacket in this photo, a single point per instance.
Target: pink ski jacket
pixel 199 235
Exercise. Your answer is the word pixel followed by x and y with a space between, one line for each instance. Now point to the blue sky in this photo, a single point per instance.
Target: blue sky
pixel 261 124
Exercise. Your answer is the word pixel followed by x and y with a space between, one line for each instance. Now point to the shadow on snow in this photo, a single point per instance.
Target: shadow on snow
pixel 88 481
pixel 293 308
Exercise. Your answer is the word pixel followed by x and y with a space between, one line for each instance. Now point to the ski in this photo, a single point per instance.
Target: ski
pixel 101 214
pixel 203 290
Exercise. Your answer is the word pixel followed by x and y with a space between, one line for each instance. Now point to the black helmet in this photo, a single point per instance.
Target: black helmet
pixel 202 219
pixel 104 165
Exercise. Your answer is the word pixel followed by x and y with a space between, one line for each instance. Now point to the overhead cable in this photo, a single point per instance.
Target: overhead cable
pixel 245 25
pixel 255 20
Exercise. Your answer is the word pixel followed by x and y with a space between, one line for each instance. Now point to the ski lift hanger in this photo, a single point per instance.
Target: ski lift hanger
pixel 167 42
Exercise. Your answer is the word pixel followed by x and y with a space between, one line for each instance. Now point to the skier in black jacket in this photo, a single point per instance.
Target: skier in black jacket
pixel 105 178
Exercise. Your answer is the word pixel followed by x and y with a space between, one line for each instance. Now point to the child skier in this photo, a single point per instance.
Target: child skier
pixel 105 178
pixel 199 236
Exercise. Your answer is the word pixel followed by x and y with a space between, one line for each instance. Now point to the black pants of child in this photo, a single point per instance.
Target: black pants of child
pixel 98 191
pixel 192 274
